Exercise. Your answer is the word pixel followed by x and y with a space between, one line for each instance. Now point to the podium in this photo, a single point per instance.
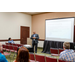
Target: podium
pixel 29 41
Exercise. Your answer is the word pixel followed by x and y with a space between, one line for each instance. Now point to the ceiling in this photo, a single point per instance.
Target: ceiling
pixel 33 13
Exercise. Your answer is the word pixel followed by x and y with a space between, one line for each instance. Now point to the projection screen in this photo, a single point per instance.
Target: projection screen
pixel 60 30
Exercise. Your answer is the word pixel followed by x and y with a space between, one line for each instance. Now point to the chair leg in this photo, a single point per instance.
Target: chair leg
pixel 14 55
pixel 10 58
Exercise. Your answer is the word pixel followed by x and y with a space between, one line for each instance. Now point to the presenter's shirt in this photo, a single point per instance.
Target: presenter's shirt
pixel 34 36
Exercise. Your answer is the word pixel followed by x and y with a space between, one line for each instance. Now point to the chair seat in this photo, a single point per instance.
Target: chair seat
pixel 33 60
pixel 55 54
pixel 7 50
pixel 6 53
pixel 12 50
pixel 4 49
pixel 15 51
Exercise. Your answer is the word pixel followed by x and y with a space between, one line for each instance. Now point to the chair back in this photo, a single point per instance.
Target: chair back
pixel 18 45
pixel 7 46
pixel 61 60
pixel 54 51
pixel 15 48
pixel 60 50
pixel 7 43
pixel 3 46
pixel 10 47
pixel 40 58
pixel 14 44
pixel 31 56
pixel 10 43
pixel 1 51
pixel 48 59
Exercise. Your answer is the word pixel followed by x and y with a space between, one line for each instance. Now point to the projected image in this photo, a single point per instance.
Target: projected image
pixel 60 29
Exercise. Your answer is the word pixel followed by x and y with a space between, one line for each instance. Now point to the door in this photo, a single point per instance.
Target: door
pixel 24 34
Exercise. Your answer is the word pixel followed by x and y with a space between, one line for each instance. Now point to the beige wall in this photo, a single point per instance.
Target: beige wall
pixel 38 21
pixel 10 23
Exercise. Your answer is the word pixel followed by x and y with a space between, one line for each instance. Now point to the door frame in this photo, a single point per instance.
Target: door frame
pixel 21 31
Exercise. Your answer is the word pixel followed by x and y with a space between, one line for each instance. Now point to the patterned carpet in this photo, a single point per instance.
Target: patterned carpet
pixel 39 50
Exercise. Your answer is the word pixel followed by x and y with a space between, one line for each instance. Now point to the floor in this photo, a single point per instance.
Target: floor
pixel 39 50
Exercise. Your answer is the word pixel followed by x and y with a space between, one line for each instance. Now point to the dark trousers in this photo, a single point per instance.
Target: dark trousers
pixel 34 45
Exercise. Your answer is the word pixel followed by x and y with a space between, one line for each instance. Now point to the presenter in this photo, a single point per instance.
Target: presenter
pixel 34 38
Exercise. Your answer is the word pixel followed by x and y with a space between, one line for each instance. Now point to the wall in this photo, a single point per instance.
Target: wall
pixel 10 23
pixel 38 21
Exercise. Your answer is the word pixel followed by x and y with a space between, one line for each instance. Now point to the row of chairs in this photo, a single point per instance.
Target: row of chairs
pixel 40 58
pixel 14 44
pixel 55 52
pixel 9 49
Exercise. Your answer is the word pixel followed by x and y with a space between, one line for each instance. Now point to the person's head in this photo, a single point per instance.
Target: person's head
pixel 34 32
pixel 1 47
pixel 66 45
pixel 9 39
pixel 23 55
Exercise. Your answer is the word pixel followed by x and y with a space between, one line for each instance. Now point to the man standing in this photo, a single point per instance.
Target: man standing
pixel 35 38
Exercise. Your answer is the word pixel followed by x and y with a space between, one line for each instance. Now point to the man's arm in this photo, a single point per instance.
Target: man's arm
pixel 4 59
pixel 62 57
pixel 37 37
pixel 31 37
pixel 13 41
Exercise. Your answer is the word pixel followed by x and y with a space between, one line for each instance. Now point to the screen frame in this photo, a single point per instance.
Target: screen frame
pixel 55 19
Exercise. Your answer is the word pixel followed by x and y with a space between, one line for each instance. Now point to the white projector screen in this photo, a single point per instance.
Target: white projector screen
pixel 60 30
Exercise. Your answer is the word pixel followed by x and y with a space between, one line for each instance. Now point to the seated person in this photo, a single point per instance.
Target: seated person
pixel 2 57
pixel 67 54
pixel 23 55
pixel 10 41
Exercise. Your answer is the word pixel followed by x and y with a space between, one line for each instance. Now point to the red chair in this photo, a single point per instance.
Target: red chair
pixel 11 48
pixel 61 60
pixel 54 51
pixel 40 58
pixel 60 50
pixel 48 59
pixel 7 54
pixel 18 45
pixel 31 56
pixel 10 43
pixel 31 60
pixel 55 54
pixel 15 50
pixel 2 52
pixel 7 43
pixel 7 47
pixel 14 44
pixel 4 47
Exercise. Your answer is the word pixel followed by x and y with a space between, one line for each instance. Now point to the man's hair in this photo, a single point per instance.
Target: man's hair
pixel 9 38
pixel 66 45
